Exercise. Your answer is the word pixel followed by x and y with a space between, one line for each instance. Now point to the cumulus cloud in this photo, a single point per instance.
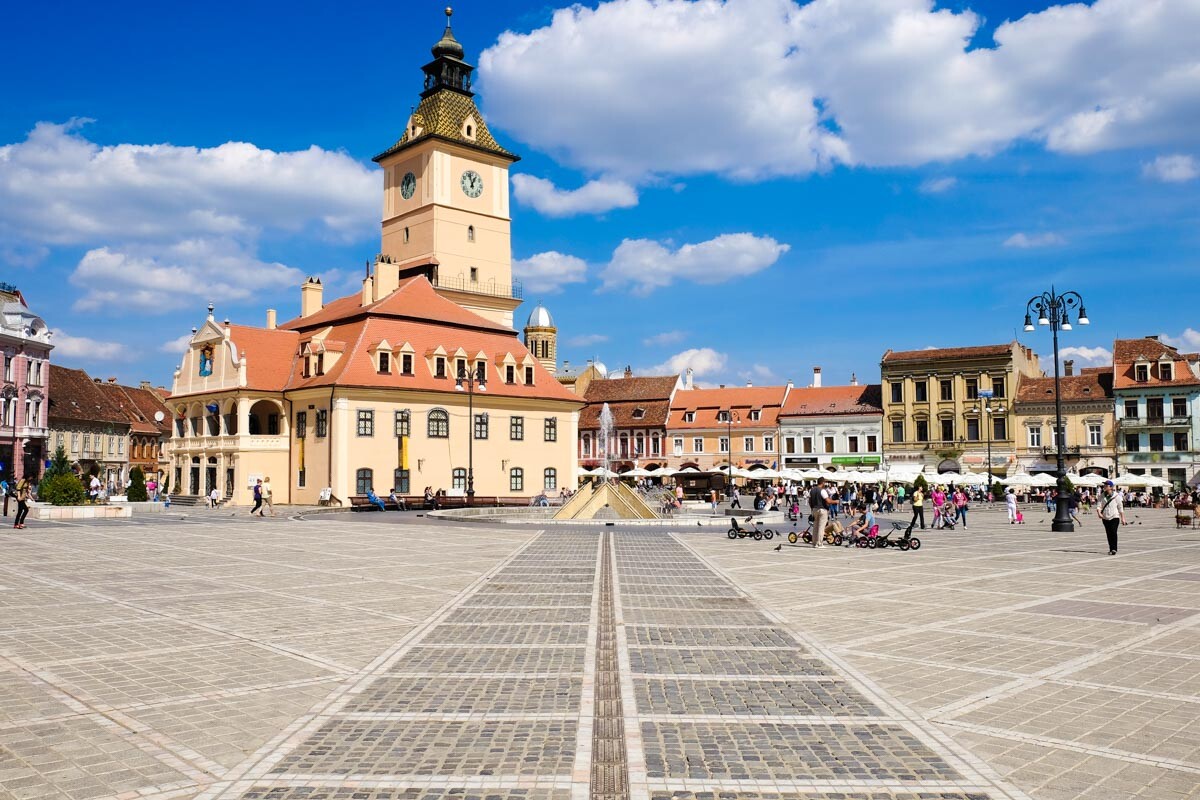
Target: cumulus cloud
pixel 1188 341
pixel 56 187
pixel 157 280
pixel 178 345
pixel 587 339
pixel 937 185
pixel 1025 241
pixel 68 346
pixel 1087 356
pixel 702 360
pixel 594 197
pixel 549 272
pixel 756 88
pixel 1172 169
pixel 644 265
pixel 666 337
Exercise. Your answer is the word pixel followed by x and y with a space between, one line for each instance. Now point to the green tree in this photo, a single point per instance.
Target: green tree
pixel 921 483
pixel 60 464
pixel 136 493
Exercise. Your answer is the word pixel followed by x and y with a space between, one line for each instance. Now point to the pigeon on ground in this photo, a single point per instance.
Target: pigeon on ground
pixel 778 547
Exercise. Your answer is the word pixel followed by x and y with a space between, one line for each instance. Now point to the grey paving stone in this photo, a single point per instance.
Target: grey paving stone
pixel 731 698
pixel 755 663
pixel 450 695
pixel 485 616
pixel 863 795
pixel 491 659
pixel 709 637
pixel 785 752
pixel 358 793
pixel 669 616
pixel 436 747
pixel 507 634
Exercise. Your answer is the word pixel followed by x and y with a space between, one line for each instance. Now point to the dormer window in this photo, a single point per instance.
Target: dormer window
pixel 1165 370
pixel 689 416
pixel 1141 373
pixel 722 416
pixel 510 374
pixel 639 413
pixel 406 364
pixel 460 367
pixel 529 376
pixel 385 364
pixel 470 131
pixel 439 367
pixel 320 363
pixel 756 415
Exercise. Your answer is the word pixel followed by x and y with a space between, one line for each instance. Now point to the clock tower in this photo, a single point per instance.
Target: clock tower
pixel 445 196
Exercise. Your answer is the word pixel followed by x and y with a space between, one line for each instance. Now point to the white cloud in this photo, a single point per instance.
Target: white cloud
pixel 666 337
pixel 594 197
pixel 1087 356
pixel 68 346
pixel 157 280
pixel 1172 169
pixel 755 88
pixel 179 345
pixel 702 360
pixel 1188 341
pixel 937 185
pixel 587 339
pixel 56 187
pixel 646 265
pixel 549 272
pixel 1025 241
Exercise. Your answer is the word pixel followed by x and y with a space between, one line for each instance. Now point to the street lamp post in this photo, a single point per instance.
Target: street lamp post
pixel 1053 309
pixel 467 382
pixel 730 417
pixel 985 410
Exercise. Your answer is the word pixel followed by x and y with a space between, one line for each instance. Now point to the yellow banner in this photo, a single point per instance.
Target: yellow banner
pixel 403 452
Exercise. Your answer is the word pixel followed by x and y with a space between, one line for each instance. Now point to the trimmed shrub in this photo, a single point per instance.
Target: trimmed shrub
pixel 136 493
pixel 61 490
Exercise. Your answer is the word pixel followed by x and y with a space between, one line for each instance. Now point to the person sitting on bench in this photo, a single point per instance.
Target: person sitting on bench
pixel 399 501
pixel 374 498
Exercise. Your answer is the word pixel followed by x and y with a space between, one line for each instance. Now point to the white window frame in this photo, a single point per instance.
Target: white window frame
pixel 1095 434
pixel 1034 435
pixel 697 444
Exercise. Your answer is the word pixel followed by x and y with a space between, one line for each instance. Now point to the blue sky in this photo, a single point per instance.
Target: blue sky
pixel 750 188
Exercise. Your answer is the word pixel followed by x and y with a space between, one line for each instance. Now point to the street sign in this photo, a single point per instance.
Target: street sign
pixel 986 393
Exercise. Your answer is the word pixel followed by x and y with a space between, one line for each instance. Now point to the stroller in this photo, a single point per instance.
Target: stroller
pixel 947 516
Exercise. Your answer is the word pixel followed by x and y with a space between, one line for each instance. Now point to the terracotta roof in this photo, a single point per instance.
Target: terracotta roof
pixel 75 397
pixel 708 403
pixel 654 414
pixel 270 355
pixel 611 390
pixel 1090 386
pixel 118 397
pixel 827 400
pixel 982 351
pixel 415 299
pixel 1126 352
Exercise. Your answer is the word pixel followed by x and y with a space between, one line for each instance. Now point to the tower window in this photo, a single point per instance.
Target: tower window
pixel 474 274
pixel 406 235
pixel 470 131
pixel 470 233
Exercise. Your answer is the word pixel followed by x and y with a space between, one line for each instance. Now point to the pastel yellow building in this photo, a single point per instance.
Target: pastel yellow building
pixel 366 391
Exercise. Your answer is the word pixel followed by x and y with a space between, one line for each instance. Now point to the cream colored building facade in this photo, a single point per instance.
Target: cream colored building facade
pixel 933 415
pixel 1089 424
pixel 361 392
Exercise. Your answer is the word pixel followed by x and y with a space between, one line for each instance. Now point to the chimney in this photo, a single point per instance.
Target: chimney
pixel 628 371
pixel 687 378
pixel 853 379
pixel 789 384
pixel 749 385
pixel 112 381
pixel 270 319
pixel 146 386
pixel 310 297
pixel 368 291
pixel 1068 367
pixel 816 378
pixel 720 386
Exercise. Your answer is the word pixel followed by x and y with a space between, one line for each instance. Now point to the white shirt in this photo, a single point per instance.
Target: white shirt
pixel 1010 499
pixel 1113 510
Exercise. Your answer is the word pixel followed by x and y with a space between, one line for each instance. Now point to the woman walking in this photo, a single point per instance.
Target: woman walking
pixel 1112 514
pixel 22 503
pixel 918 507
pixel 960 506
pixel 1010 503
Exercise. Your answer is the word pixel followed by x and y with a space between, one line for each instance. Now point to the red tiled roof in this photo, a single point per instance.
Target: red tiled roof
pixel 826 400
pixel 654 414
pixel 270 355
pixel 981 351
pixel 1126 353
pixel 610 390
pixel 119 398
pixel 75 397
pixel 1090 386
pixel 414 299
pixel 707 403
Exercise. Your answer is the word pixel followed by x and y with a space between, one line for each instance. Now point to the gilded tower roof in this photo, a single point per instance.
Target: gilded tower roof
pixel 447 106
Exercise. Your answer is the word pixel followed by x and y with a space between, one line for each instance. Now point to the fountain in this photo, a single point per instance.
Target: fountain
pixel 607 498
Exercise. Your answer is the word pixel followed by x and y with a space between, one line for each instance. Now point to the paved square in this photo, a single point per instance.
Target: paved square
pixel 390 657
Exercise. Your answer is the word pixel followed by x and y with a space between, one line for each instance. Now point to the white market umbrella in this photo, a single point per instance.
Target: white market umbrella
pixel 636 472
pixel 686 471
pixel 1043 480
pixel 810 474
pixel 662 472
pixel 1020 479
pixel 948 477
pixel 584 472
pixel 601 472
pixel 1090 480
pixel 762 474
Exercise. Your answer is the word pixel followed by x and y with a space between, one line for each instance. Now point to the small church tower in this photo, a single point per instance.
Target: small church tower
pixel 541 337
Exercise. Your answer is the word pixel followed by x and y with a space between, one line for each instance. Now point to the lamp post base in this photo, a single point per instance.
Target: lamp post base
pixel 1062 527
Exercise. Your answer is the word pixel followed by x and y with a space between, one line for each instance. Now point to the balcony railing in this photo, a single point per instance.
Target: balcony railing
pixel 516 291
pixel 1068 450
pixel 1155 422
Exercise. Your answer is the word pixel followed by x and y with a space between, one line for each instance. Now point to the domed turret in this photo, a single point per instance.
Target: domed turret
pixel 540 318
pixel 448 45
pixel 541 337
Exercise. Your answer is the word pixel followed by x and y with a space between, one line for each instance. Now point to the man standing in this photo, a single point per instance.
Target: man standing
pixel 1112 513
pixel 818 503
pixel 267 497
pixel 258 498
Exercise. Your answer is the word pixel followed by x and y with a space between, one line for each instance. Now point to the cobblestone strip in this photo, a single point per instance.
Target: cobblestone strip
pixel 739 724
pixel 610 766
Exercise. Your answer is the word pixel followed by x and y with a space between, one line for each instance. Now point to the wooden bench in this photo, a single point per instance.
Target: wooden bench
pixel 359 502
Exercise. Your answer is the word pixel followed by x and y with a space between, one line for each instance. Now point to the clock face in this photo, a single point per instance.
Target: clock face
pixel 472 184
pixel 408 185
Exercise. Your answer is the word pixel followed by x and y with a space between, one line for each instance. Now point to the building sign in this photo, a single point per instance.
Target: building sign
pixel 799 461
pixel 855 461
